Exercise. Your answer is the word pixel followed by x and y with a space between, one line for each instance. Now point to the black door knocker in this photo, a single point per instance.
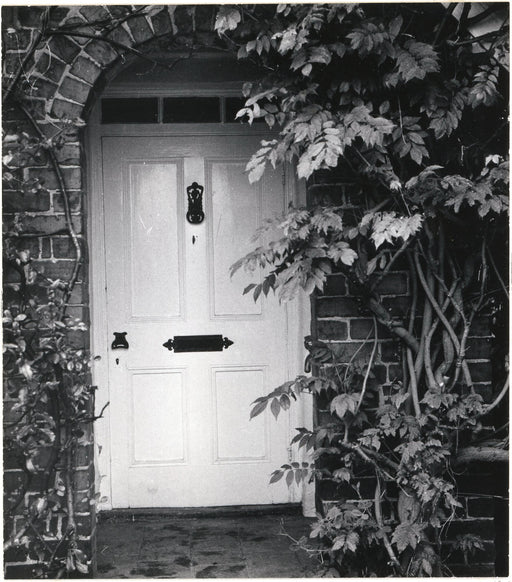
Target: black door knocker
pixel 195 214
pixel 120 342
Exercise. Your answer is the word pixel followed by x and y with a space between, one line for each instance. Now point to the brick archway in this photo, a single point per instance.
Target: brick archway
pixel 67 67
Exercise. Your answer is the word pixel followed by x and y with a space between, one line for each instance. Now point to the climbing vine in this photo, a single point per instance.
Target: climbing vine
pixel 50 400
pixel 409 105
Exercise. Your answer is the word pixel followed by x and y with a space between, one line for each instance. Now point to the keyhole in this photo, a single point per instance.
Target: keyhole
pixel 194 239
pixel 117 361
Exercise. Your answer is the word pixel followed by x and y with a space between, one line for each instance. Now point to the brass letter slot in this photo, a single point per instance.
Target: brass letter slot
pixel 197 343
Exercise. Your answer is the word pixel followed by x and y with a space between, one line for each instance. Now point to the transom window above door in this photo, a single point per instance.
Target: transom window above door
pixel 182 109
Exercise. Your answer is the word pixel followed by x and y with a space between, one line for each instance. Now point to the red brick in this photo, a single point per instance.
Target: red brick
pixel 75 90
pixel 332 329
pixel 121 36
pixel 84 455
pixel 85 69
pixel 397 306
pixel 481 327
pixel 66 109
pixel 392 284
pixel 139 28
pixel 479 348
pixel 50 66
pixel 57 15
pixel 46 248
pixel 64 48
pixel 74 198
pixel 364 328
pixel 61 269
pixel 78 295
pixel 344 351
pixel 30 16
pixel 335 285
pixel 183 19
pixel 68 154
pixel 44 88
pixel 341 307
pixel 480 506
pixel 63 248
pixel 482 527
pixel 17 202
pixel 17 40
pixel 480 371
pixel 84 478
pixel 161 22
pixel 390 351
pixel 51 224
pixel 101 52
pixel 93 13
pixel 47 177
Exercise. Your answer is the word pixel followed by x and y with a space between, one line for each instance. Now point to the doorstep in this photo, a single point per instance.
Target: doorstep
pixel 251 542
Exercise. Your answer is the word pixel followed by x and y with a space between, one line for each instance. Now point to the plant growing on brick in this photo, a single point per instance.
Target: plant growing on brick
pixel 46 361
pixel 408 103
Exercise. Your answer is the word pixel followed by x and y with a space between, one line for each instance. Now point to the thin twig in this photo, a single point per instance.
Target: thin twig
pixel 380 522
pixel 67 212
pixel 370 363
pixel 29 54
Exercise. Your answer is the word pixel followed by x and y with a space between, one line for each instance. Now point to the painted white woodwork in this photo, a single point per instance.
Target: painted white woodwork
pixel 180 433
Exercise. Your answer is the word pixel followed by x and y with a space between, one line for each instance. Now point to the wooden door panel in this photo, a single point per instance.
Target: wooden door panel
pixel 152 238
pixel 160 396
pixel 235 208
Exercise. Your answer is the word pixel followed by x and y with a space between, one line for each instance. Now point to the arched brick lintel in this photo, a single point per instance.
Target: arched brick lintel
pixel 66 69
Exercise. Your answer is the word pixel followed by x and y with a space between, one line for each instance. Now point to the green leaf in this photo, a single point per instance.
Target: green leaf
pixel 276 476
pixel 343 403
pixel 275 407
pixel 258 409
pixel 407 535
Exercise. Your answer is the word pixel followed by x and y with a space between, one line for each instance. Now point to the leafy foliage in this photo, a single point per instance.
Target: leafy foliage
pixel 405 105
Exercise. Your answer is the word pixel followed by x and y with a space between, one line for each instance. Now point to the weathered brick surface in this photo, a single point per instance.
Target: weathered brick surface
pixel 16 202
pixel 139 28
pixel 65 48
pixel 75 90
pixel 101 52
pixel 341 318
pixel 332 329
pixel 66 109
pixel 85 69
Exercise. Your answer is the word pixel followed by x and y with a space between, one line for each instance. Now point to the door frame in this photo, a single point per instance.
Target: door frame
pixel 298 311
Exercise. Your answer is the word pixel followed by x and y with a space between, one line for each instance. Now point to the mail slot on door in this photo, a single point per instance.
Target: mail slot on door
pixel 198 343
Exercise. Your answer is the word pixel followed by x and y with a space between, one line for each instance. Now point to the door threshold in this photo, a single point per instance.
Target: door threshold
pixel 148 513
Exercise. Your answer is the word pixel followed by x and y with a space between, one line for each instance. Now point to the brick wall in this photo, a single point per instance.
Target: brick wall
pixel 340 319
pixel 62 77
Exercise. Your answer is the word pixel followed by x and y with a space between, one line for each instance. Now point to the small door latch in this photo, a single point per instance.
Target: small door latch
pixel 120 342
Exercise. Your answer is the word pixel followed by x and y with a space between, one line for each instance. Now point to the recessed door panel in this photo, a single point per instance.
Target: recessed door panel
pixel 236 213
pixel 237 438
pixel 158 396
pixel 153 238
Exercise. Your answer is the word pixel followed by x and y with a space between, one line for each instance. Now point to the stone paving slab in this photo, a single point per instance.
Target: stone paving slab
pixel 248 546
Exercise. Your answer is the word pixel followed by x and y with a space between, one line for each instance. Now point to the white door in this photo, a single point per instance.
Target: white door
pixel 180 428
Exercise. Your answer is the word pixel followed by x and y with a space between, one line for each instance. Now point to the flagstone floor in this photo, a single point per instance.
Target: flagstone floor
pixel 226 546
